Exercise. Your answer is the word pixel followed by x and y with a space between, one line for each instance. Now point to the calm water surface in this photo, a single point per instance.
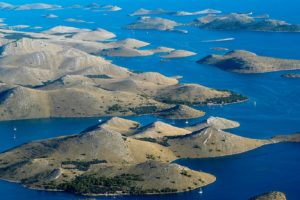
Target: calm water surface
pixel 273 107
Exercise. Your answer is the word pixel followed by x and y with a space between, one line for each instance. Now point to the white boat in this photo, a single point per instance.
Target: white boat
pixel 200 191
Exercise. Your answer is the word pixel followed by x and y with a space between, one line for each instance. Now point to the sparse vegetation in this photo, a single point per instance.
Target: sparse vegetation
pixel 185 173
pixel 157 191
pixel 104 76
pixel 144 109
pixel 150 156
pixel 83 165
pixel 114 108
pixel 233 97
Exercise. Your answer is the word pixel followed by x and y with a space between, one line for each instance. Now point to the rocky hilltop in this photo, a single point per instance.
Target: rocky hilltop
pixel 119 157
pixel 247 62
pixel 246 22
pixel 56 74
pixel 217 122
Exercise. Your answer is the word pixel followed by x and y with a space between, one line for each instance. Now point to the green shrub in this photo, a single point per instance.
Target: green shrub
pixel 89 184
pixel 150 156
pixel 114 108
pixel 144 110
pixel 185 173
pixel 103 76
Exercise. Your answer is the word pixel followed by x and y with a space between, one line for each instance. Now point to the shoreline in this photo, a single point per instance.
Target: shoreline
pixel 99 195
pixel 268 142
pixel 125 115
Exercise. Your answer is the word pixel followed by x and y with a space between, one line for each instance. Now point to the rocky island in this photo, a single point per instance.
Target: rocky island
pixel 112 158
pixel 150 134
pixel 243 22
pixel 178 54
pixel 155 23
pixel 56 74
pixel 291 75
pixel 247 62
pixel 270 196
pixel 160 11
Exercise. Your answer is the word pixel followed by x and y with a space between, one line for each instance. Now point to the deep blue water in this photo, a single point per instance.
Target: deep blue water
pixel 277 109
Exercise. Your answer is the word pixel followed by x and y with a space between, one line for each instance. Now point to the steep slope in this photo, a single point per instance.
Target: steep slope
pixel 94 35
pixel 181 112
pixel 25 103
pixel 159 130
pixel 120 125
pixel 95 156
pixel 42 61
pixel 217 122
pixel 22 103
pixel 60 78
pixel 196 94
pixel 101 160
pixel 212 142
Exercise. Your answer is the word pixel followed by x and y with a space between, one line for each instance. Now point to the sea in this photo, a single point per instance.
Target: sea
pixel 273 107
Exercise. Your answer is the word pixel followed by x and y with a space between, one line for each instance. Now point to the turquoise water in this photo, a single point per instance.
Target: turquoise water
pixel 277 109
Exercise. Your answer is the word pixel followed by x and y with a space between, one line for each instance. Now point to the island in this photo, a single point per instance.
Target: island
pixel 119 156
pixel 178 54
pixel 56 74
pixel 30 6
pixel 160 11
pixel 270 196
pixel 219 49
pixel 243 22
pixel 155 23
pixel 241 61
pixel 291 75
